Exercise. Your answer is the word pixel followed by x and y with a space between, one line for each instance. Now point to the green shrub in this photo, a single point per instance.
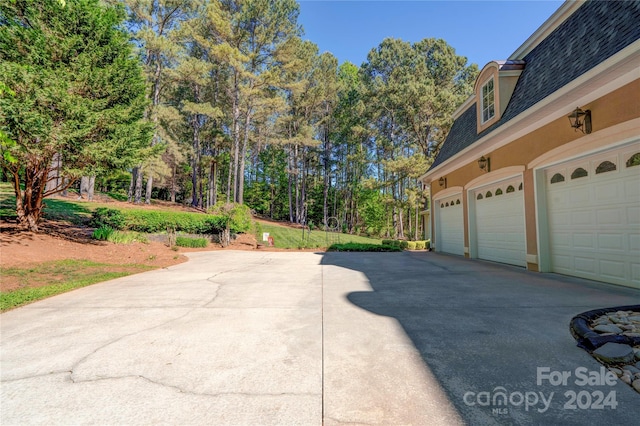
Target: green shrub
pixel 395 243
pixel 411 245
pixel 421 245
pixel 403 244
pixel 152 221
pixel 191 242
pixel 103 216
pixel 103 233
pixel 238 215
pixel 363 247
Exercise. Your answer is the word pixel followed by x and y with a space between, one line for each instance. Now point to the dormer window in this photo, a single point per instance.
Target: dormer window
pixel 488 101
pixel 493 90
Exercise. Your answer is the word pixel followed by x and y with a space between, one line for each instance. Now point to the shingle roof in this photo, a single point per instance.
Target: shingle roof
pixel 593 33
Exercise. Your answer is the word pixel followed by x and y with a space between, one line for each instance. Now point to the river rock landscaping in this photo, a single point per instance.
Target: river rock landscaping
pixel 612 336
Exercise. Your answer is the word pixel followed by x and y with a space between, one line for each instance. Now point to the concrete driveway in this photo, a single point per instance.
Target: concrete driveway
pixel 253 338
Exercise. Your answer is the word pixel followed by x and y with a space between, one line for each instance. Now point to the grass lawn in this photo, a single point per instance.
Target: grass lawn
pixel 51 278
pixel 291 238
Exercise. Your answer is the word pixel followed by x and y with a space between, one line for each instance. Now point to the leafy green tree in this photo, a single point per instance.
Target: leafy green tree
pixel 245 35
pixel 351 154
pixel 412 91
pixel 74 90
pixel 155 26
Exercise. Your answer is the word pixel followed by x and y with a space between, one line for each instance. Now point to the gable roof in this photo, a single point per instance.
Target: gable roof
pixel 593 33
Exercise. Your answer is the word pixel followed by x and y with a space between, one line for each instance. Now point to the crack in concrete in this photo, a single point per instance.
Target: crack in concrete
pixel 190 392
pixel 164 385
pixel 35 376
pixel 215 294
pixel 342 422
pixel 105 345
pixel 86 357
pixel 220 284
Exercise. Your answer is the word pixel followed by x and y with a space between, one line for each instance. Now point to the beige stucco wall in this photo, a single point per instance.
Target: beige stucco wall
pixel 616 107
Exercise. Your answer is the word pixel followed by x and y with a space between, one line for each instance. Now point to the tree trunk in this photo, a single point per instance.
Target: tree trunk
pixel 54 180
pixel 84 187
pixel 173 184
pixel 155 101
pixel 296 186
pixel 138 191
pixel 29 204
pixel 214 190
pixel 91 187
pixel 327 169
pixel 303 189
pixel 243 155
pixel 147 197
pixel 400 225
pixel 290 187
pixel 236 133
pixel 132 184
pixel 195 163
pixel 417 223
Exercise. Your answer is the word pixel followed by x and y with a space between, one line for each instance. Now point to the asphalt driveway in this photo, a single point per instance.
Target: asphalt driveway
pixel 252 338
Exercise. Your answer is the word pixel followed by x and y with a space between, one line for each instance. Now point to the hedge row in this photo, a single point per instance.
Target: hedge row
pixel 363 247
pixel 408 245
pixel 152 221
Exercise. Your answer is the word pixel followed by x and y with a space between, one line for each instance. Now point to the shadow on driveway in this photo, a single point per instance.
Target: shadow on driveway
pixel 485 330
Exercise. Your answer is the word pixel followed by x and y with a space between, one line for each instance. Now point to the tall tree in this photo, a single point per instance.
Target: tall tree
pixel 154 24
pixel 74 91
pixel 412 91
pixel 245 34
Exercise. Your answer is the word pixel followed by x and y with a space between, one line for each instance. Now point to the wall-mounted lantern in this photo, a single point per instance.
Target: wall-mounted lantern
pixel 581 120
pixel 484 164
pixel 443 182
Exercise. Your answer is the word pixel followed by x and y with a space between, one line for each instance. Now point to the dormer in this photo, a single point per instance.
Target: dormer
pixel 493 89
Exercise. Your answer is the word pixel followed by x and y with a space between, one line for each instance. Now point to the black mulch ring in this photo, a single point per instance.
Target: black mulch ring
pixel 588 339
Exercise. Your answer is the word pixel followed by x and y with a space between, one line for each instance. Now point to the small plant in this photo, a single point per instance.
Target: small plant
pixel 103 233
pixel 191 242
pixel 421 245
pixel 112 218
pixel 126 237
pixel 411 245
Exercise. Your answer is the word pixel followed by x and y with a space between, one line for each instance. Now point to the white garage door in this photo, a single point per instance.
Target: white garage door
pixel 594 217
pixel 449 225
pixel 499 222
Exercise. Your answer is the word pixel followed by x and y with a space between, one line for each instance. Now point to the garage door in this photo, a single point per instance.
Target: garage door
pixel 499 222
pixel 449 225
pixel 594 217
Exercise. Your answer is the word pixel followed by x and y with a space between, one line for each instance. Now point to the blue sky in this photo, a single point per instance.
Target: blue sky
pixel 480 30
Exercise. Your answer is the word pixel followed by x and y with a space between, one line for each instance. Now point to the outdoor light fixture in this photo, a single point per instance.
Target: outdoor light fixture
pixel 484 164
pixel 443 182
pixel 581 120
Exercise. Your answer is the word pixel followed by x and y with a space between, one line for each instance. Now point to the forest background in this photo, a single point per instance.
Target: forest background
pixel 204 102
